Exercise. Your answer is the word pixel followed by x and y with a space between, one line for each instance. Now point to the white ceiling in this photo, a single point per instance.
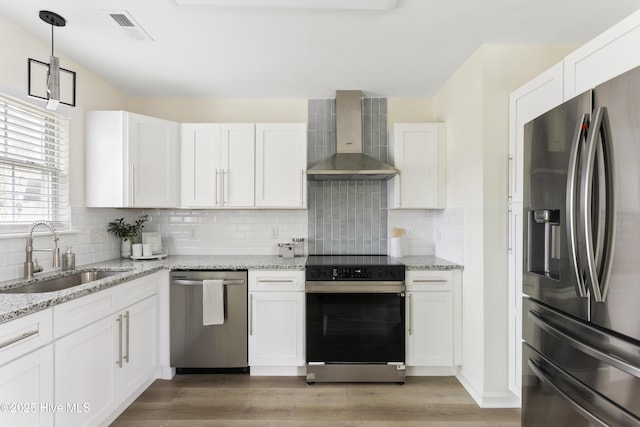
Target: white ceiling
pixel 219 51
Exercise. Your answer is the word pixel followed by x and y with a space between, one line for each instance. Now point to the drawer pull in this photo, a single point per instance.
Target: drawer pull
pixel 18 338
pixel 430 281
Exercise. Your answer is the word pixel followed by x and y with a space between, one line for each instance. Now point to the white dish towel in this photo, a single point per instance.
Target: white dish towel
pixel 212 302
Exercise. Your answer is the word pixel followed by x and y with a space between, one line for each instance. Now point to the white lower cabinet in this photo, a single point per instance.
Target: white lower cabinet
pixel 85 372
pixel 140 347
pixel 26 390
pixel 276 322
pixel 26 370
pixel 430 329
pixel 103 366
pixel 433 318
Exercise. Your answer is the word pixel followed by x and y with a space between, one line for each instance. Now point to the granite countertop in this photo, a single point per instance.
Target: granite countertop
pixel 428 262
pixel 17 305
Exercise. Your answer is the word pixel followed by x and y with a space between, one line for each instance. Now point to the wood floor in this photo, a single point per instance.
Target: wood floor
pixel 242 400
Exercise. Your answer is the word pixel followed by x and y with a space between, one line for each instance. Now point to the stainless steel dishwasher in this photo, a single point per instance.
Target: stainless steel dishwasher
pixel 195 346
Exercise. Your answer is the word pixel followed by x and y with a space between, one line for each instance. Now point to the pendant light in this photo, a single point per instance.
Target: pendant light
pixel 53 76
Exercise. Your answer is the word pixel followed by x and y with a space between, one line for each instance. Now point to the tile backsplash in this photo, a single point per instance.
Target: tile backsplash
pixel 183 232
pixel 431 232
pixel 347 216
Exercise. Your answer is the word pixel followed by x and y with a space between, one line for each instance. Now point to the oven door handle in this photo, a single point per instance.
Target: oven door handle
pixel 357 287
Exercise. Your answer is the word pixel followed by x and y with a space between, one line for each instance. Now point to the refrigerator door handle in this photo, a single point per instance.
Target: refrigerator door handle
pixel 598 248
pixel 537 370
pixel 609 359
pixel 571 215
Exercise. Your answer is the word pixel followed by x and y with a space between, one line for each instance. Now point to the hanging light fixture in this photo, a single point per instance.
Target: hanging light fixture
pixel 50 90
pixel 53 76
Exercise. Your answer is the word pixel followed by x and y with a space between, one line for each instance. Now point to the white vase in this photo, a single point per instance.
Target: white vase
pixel 125 248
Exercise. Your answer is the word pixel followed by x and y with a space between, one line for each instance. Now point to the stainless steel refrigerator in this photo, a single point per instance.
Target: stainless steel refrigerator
pixel 581 278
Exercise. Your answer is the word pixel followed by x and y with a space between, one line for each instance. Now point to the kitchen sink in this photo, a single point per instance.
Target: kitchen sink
pixel 61 283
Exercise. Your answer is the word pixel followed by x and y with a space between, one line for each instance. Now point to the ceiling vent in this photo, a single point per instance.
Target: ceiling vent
pixel 128 24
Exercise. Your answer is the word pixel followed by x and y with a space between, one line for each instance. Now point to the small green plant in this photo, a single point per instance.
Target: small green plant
pixel 128 231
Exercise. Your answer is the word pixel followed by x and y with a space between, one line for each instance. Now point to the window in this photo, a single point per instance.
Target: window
pixel 34 166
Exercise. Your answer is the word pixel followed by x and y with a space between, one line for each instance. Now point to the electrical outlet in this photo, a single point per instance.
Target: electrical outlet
pixel 274 233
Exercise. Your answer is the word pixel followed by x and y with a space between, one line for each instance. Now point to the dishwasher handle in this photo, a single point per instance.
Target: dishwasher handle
pixel 225 282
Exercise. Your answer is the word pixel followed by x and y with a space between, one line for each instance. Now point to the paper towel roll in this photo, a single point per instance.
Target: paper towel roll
pixel 396 247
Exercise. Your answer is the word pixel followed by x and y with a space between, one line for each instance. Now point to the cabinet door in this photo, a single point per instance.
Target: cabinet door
pixel 281 162
pixel 276 335
pixel 153 162
pixel 139 346
pixel 515 297
pixel 608 55
pixel 26 386
pixel 525 104
pixel 237 165
pixel 85 364
pixel 430 329
pixel 200 165
pixel 418 152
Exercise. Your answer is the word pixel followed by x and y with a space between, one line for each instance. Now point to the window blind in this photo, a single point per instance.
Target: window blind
pixel 34 166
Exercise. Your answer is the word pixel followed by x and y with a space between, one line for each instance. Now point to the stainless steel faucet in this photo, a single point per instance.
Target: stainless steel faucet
pixel 29 267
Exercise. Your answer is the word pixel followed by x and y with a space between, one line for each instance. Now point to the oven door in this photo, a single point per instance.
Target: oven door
pixel 361 327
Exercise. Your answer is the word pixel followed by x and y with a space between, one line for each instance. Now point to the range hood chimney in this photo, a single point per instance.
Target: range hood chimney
pixel 350 162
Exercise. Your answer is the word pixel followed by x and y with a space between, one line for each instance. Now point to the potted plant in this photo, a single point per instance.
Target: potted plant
pixel 127 232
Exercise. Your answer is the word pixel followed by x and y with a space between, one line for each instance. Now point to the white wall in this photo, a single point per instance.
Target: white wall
pixel 474 103
pixel 222 110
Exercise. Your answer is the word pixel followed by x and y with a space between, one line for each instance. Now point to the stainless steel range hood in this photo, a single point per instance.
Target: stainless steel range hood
pixel 350 162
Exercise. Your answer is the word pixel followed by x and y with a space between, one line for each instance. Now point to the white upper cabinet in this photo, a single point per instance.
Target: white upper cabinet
pixel 418 151
pixel 237 166
pixel 243 165
pixel 610 54
pixel 281 163
pixel 199 168
pixel 217 165
pixel 131 160
pixel 525 104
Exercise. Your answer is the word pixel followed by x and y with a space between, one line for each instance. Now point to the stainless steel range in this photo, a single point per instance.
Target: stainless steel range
pixel 355 319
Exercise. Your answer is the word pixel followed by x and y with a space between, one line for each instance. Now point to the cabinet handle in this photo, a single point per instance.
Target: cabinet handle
pixel 430 281
pixel 302 199
pixel 217 188
pixel 409 314
pixel 126 354
pixel 250 314
pixel 18 338
pixel 119 361
pixel 275 281
pixel 133 184
pixel 224 188
pixel 511 178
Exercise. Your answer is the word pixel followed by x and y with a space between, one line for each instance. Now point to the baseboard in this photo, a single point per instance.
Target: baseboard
pixel 431 371
pixel 167 372
pixel 278 371
pixel 491 399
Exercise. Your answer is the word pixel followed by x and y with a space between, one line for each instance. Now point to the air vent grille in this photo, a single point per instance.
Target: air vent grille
pixel 121 19
pixel 128 24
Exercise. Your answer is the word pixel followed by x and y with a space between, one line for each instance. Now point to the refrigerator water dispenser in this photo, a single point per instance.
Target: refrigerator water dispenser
pixel 544 242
